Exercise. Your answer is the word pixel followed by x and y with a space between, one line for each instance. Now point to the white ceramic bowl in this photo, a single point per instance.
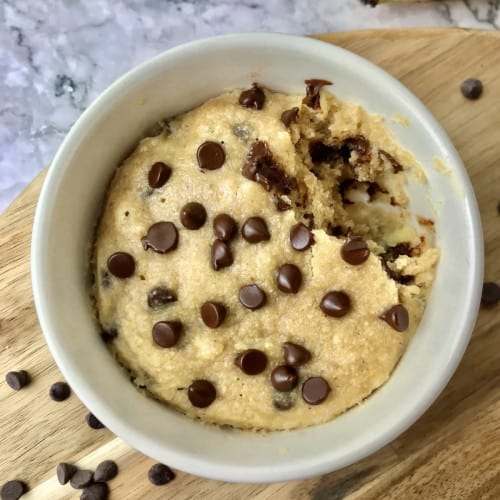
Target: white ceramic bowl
pixel 176 81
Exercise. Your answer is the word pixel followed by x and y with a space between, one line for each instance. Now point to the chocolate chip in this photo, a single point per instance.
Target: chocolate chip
pixel 472 88
pixel 392 253
pixel 336 304
pixel 358 144
pixel 220 255
pixel 96 491
pixel 252 297
pixel 13 490
pixel 295 355
pixel 284 378
pixel 81 478
pixel 323 153
pixel 251 361
pixel 201 393
pixel 252 98
pixel 315 390
pixel 93 422
pixel 374 188
pixel 355 251
pixel 490 295
pixel 313 87
pixel 404 279
pixel 108 336
pixel 193 215
pixel 224 227
pixel 59 391
pixel 158 175
pixel 210 155
pixel 289 116
pixel 121 265
pixel 280 204
pixel 396 317
pixel 289 278
pixel 105 471
pixel 396 166
pixel 301 237
pixel 160 474
pixel 254 230
pixel 167 333
pixel 213 314
pixel 65 472
pixel 161 237
pixel 161 296
pixel 17 380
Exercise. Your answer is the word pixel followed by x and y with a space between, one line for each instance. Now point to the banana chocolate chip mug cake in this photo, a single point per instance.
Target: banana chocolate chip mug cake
pixel 256 263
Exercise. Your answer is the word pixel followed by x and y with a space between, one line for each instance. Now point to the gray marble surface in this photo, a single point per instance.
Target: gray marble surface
pixel 56 56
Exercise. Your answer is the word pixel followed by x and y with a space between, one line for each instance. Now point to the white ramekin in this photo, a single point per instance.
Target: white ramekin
pixel 176 81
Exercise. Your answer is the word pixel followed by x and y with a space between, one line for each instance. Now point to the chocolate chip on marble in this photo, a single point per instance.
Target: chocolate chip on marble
pixel 201 393
pixel 295 355
pixel 289 116
pixel 96 491
pixel 167 333
pixel 158 174
pixel 251 361
pixel 210 155
pixel 252 297
pixel 253 97
pixel 255 230
pixel 396 317
pixel 81 478
pixel 315 390
pixel 108 336
pixel 121 265
pixel 355 251
pixel 17 380
pixel 220 255
pixel 161 296
pixel 105 471
pixel 336 304
pixel 13 490
pixel 313 87
pixel 472 88
pixel 93 422
pixel 59 391
pixel 301 238
pixel 224 227
pixel 193 215
pixel 284 378
pixel 213 314
pixel 65 472
pixel 490 294
pixel 289 278
pixel 162 237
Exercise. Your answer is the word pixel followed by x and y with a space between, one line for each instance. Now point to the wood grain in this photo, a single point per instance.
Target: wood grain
pixel 452 452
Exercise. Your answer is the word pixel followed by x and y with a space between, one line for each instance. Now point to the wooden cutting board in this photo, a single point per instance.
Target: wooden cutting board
pixel 452 452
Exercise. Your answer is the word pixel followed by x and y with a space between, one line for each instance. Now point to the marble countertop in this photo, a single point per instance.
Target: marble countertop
pixel 57 56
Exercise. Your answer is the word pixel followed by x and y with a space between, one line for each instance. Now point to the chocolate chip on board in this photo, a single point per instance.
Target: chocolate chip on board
pixel 162 237
pixel 210 156
pixel 93 422
pixel 336 304
pixel 490 295
pixel 253 97
pixel 13 490
pixel 105 471
pixel 65 472
pixel 472 88
pixel 201 393
pixel 315 390
pixel 81 478
pixel 17 380
pixel 160 474
pixel 59 391
pixel 96 491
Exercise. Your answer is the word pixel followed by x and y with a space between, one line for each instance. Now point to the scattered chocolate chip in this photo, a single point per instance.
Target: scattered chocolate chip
pixel 313 87
pixel 167 333
pixel 13 490
pixel 355 251
pixel 81 478
pixel 59 391
pixel 212 314
pixel 392 253
pixel 161 237
pixel 472 88
pixel 201 393
pixel 65 472
pixel 396 166
pixel 289 278
pixel 210 155
pixel 193 215
pixel 315 390
pixel 253 97
pixel 251 361
pixel 96 491
pixel 336 304
pixel 93 422
pixel 158 175
pixel 121 265
pixel 224 227
pixel 252 297
pixel 323 153
pixel 161 296
pixel 490 295
pixel 295 355
pixel 17 380
pixel 105 471
pixel 108 336
pixel 283 402
pixel 396 317
pixel 160 474
pixel 254 230
pixel 359 145
pixel 301 238
pixel 289 116
pixel 284 378
pixel 220 255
